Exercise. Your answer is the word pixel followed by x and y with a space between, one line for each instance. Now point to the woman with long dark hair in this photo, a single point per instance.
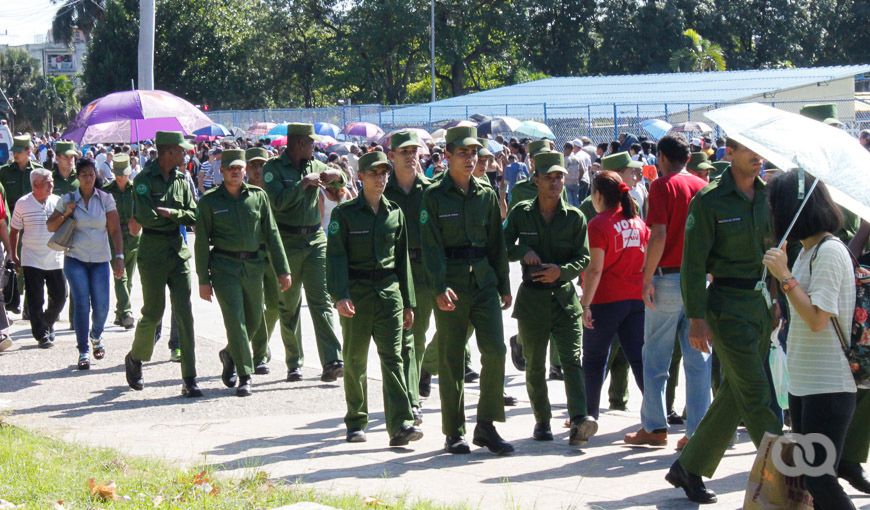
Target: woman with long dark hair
pixel 613 283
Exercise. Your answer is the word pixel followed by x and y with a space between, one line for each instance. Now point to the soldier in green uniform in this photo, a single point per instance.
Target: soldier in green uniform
pixel 548 237
pixel 699 165
pixel 528 189
pixel 256 157
pixel 466 264
pixel 369 277
pixel 64 171
pixel 405 188
pixel 234 231
pixel 122 191
pixel 162 202
pixel 728 230
pixel 293 183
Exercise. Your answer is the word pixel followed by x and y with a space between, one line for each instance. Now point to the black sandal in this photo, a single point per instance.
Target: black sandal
pixel 84 362
pixel 98 349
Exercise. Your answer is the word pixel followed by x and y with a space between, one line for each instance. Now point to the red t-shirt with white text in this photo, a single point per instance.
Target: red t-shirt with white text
pixel 624 243
pixel 668 201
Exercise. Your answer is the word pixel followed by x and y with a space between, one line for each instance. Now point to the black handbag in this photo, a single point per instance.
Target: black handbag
pixel 11 296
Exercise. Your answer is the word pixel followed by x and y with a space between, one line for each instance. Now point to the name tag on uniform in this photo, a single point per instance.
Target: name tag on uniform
pixel 221 211
pixel 729 220
pixel 359 232
pixel 449 215
pixel 528 233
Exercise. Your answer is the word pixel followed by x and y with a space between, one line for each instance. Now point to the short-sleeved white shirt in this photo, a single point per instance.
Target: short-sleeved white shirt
pixel 816 362
pixel 29 217
pixel 90 242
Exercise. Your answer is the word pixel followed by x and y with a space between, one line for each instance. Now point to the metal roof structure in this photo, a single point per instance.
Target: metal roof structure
pixel 596 96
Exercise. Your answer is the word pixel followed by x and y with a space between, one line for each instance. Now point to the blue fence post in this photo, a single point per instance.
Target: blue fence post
pixel 688 112
pixel 545 113
pixel 466 111
pixel 505 109
pixel 667 115
pixel 615 123
pixel 343 117
pixel 589 120
pixel 430 115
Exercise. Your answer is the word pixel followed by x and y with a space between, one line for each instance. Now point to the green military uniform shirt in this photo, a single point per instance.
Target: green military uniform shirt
pixel 360 239
pixel 151 191
pixel 15 183
pixel 293 205
pixel 411 204
pixel 123 201
pixel 588 209
pixel 243 224
pixel 452 218
pixel 555 243
pixel 726 236
pixel 527 190
pixel 63 186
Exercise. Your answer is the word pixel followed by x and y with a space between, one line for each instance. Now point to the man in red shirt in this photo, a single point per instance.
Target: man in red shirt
pixel 665 318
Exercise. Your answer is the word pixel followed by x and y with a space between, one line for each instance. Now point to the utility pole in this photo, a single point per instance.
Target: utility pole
pixel 146 44
pixel 432 47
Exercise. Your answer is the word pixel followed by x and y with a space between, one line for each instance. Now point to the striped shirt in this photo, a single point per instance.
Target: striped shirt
pixel 30 217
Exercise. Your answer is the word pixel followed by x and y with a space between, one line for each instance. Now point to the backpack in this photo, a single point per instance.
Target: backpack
pixel 857 348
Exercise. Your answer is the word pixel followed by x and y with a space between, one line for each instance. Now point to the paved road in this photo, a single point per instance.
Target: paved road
pixel 295 431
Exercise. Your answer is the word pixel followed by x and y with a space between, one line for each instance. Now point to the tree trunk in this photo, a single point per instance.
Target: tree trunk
pixel 457 78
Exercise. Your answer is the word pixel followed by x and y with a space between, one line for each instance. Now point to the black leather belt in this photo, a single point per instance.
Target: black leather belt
pixel 369 274
pixel 290 229
pixel 240 255
pixel 736 283
pixel 667 270
pixel 542 285
pixel 465 252
pixel 415 254
pixel 164 233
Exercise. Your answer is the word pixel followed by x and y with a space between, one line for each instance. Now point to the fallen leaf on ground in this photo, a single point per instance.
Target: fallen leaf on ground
pixel 105 492
pixel 370 501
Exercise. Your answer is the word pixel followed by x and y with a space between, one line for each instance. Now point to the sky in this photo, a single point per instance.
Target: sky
pixel 22 20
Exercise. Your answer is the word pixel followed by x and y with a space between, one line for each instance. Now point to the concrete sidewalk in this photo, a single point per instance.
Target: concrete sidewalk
pixel 295 432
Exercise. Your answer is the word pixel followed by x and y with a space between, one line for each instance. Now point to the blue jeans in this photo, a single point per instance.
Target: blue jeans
pixel 89 285
pixel 573 191
pixel 662 327
pixel 623 318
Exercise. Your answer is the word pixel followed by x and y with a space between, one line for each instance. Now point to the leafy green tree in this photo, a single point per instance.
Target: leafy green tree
pixel 110 71
pixel 700 55
pixel 557 34
pixel 81 14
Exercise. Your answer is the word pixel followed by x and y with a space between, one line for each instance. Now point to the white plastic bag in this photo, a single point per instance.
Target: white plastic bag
pixel 778 370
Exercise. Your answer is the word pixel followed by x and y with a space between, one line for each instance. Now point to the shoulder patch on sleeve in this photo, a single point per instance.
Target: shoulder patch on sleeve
pixel 333 227
pixel 690 221
pixel 141 188
pixel 268 177
pixel 424 217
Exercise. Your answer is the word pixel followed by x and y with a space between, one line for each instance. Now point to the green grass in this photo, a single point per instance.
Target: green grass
pixel 37 471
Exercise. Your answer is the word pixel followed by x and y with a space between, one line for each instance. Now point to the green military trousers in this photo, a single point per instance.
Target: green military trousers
pixel 379 317
pixel 155 276
pixel 617 365
pixel 414 342
pixel 740 323
pixel 124 286
pixel 556 326
pixel 308 269
pixel 482 309
pixel 238 286
pixel 271 296
pixel 858 436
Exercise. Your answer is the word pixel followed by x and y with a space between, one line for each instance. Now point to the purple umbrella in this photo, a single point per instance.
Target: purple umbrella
pixel 326 129
pixel 365 130
pixel 134 115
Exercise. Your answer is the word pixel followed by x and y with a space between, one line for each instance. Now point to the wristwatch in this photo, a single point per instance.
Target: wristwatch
pixel 788 284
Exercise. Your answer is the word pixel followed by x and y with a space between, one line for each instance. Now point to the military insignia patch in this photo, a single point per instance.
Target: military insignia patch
pixel 333 227
pixel 269 177
pixel 142 189
pixel 424 217
pixel 690 222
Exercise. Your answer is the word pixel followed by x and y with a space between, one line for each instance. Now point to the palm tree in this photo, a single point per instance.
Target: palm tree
pixel 76 14
pixel 700 55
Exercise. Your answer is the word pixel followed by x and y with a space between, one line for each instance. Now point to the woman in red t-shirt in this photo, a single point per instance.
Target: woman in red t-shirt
pixel 612 284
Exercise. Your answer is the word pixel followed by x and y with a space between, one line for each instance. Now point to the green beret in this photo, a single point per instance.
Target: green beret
pixel 120 164
pixel 171 138
pixel 619 161
pixel 232 157
pixel 301 129
pixel 257 153
pixel 404 138
pixel 820 112
pixel 21 143
pixel 370 160
pixel 65 149
pixel 699 161
pixel 538 146
pixel 462 136
pixel 549 161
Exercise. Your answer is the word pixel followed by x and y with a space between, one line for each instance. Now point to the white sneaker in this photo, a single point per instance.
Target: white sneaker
pixel 5 343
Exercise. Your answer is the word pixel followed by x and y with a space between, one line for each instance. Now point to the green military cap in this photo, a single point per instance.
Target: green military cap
pixel 21 143
pixel 172 138
pixel 65 149
pixel 301 129
pixel 404 138
pixel 699 161
pixel 257 153
pixel 483 152
pixel 538 146
pixel 549 161
pixel 232 157
pixel 719 168
pixel 370 160
pixel 462 136
pixel 619 161
pixel 121 165
pixel 826 113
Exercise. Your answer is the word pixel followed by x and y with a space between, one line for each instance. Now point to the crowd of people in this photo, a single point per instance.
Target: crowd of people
pixel 635 254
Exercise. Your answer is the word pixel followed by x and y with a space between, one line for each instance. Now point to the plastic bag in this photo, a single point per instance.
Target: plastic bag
pixel 778 370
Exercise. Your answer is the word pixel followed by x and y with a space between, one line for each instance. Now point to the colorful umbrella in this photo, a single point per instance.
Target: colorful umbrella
pixel 214 130
pixel 365 130
pixel 535 129
pixel 691 127
pixel 439 133
pixel 455 123
pixel 278 141
pixel 278 130
pixel 259 129
pixel 425 137
pixel 657 128
pixel 339 148
pixel 498 125
pixel 133 115
pixel 327 129
pixel 325 141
